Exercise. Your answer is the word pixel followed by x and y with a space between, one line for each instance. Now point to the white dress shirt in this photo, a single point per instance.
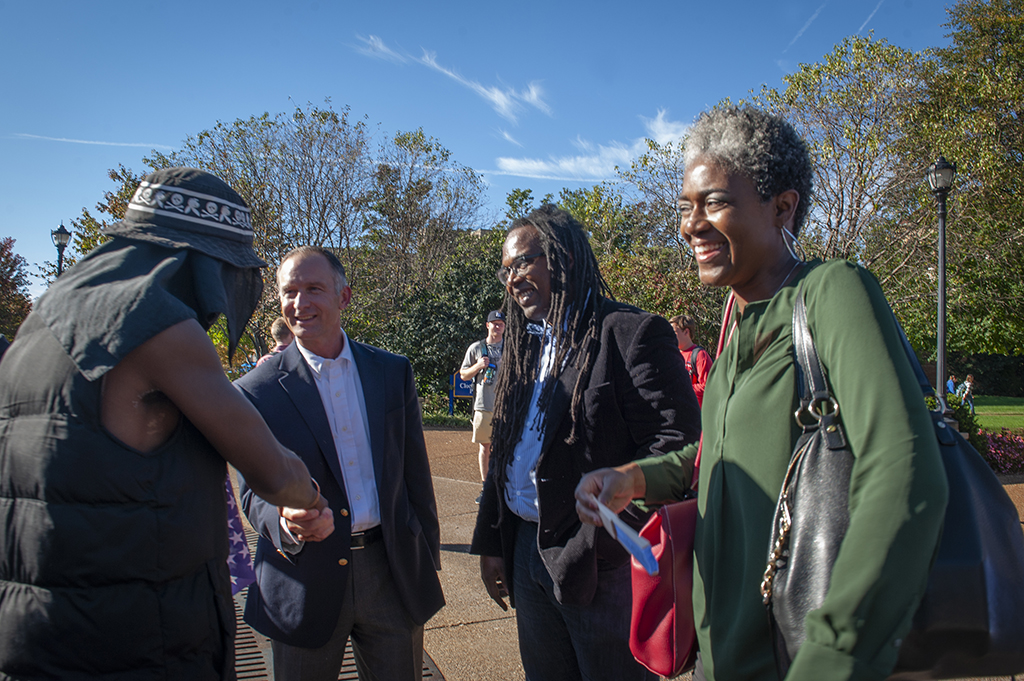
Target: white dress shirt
pixel 342 395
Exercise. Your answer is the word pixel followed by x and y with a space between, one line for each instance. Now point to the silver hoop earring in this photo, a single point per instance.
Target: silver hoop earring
pixel 789 247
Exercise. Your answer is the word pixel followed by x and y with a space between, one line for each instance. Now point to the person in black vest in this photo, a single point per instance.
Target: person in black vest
pixel 115 422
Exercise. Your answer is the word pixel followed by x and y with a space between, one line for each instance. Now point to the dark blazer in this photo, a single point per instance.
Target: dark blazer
pixel 638 402
pixel 297 599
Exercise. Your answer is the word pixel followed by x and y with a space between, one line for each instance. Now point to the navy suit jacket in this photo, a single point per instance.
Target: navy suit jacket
pixel 298 599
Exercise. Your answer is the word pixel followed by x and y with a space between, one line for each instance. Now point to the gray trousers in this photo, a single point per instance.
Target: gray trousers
pixel 387 644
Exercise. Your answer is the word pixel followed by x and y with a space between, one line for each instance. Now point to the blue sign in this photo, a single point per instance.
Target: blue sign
pixel 459 388
pixel 463 388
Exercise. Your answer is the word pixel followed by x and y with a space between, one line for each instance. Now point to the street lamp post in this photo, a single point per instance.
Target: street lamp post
pixel 61 237
pixel 940 179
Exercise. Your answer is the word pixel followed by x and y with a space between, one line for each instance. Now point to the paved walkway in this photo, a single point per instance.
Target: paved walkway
pixel 471 638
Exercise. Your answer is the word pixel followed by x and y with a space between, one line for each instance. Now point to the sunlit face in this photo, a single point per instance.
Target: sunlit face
pixel 733 233
pixel 496 329
pixel 311 303
pixel 532 288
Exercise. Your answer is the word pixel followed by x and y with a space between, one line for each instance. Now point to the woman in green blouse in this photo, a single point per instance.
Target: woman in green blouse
pixel 746 194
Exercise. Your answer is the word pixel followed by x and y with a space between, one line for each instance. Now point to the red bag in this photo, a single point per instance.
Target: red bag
pixel 662 636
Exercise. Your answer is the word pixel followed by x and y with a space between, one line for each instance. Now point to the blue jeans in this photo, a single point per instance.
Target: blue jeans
pixel 571 642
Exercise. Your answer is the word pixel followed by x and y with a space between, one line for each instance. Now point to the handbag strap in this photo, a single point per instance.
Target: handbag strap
pixel 811 377
pixel 944 434
pixel 816 400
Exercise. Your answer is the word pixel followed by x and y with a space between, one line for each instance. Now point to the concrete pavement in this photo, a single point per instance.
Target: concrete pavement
pixel 471 638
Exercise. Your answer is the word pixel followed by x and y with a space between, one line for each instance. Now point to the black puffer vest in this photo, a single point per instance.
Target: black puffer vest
pixel 112 561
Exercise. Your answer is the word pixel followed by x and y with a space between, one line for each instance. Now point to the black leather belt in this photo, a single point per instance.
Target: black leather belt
pixel 366 537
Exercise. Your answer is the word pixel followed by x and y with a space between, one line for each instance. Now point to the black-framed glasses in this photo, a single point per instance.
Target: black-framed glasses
pixel 517 268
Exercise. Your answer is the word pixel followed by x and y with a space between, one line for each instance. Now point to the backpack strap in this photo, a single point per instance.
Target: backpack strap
pixel 691 364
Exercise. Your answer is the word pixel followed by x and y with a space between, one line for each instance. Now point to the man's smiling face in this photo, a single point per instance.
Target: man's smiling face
pixel 311 303
pixel 531 289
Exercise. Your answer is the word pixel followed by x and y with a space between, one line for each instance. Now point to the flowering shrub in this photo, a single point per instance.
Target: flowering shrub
pixel 1005 451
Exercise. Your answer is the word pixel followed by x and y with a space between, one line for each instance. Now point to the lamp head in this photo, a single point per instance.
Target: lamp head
pixel 940 175
pixel 61 236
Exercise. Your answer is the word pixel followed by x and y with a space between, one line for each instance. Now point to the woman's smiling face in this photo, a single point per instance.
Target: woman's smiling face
pixel 733 233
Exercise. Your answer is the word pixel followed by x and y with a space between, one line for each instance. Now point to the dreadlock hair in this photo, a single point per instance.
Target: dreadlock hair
pixel 577 290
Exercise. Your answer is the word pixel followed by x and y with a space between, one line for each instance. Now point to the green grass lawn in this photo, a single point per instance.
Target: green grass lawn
pixel 995 412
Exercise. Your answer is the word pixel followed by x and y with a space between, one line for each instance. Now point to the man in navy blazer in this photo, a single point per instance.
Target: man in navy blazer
pixel 350 412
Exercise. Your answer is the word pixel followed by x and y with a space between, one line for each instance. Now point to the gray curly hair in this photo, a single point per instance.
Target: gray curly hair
pixel 759 145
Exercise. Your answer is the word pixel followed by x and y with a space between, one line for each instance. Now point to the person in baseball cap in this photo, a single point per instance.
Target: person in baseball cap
pixel 117 419
pixel 481 366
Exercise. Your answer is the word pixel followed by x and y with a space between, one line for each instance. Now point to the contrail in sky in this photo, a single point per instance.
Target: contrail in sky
pixel 25 135
pixel 806 26
pixel 870 16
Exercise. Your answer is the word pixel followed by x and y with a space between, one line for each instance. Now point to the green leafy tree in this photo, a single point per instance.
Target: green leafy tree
pixel 638 272
pixel 653 183
pixel 420 202
pixel 601 211
pixel 519 203
pixel 652 280
pixel 972 114
pixel 439 322
pixel 394 212
pixel 850 108
pixel 303 174
pixel 15 302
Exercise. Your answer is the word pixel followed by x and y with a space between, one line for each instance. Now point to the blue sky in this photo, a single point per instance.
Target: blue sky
pixel 539 95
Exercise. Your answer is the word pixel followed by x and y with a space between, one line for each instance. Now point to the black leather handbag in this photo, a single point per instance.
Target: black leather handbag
pixel 812 513
pixel 971 619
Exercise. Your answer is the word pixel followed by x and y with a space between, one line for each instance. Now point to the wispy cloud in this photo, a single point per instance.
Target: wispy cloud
pixel 662 130
pixel 375 47
pixel 508 102
pixel 805 27
pixel 870 16
pixel 590 168
pixel 147 145
pixel 596 162
pixel 509 138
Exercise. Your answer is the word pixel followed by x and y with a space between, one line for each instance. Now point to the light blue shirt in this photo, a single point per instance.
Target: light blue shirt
pixel 521 487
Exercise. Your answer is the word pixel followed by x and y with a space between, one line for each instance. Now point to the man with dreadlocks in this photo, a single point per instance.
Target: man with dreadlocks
pixel 584 382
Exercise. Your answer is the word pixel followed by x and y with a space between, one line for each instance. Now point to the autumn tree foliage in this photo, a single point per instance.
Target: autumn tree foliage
pixel 15 303
pixel 407 218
